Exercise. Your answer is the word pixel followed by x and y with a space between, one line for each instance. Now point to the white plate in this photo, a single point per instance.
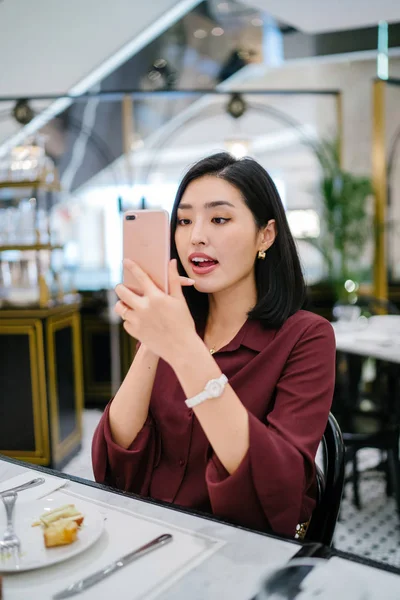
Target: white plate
pixel 34 554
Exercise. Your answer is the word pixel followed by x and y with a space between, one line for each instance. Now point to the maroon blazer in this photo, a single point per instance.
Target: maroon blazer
pixel 285 379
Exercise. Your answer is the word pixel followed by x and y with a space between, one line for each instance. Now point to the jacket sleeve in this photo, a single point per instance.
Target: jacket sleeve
pixel 126 469
pixel 274 486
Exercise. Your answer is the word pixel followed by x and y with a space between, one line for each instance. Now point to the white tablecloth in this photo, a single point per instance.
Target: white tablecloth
pixel 209 559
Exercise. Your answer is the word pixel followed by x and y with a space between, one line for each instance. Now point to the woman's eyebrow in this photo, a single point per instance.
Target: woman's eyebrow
pixel 213 204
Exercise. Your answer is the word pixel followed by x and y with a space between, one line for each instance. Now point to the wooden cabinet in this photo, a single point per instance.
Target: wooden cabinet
pixel 41 386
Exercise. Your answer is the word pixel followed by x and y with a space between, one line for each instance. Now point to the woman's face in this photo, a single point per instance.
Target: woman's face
pixel 216 236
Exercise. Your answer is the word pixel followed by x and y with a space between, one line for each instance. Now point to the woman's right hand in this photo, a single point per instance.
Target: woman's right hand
pixel 121 307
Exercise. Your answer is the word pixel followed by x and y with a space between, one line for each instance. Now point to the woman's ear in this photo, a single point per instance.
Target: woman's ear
pixel 268 235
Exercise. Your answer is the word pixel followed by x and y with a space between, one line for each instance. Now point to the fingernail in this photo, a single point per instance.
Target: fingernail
pixel 191 280
pixel 128 262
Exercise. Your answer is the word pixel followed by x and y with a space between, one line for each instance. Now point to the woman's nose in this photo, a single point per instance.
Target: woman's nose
pixel 198 235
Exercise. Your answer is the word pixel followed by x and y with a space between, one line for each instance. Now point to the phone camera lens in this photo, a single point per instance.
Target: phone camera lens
pixel 130 218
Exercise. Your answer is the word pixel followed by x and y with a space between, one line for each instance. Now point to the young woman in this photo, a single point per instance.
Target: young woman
pixel 241 447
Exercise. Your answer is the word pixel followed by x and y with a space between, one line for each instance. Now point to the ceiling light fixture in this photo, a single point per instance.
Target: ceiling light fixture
pixel 200 34
pixel 160 63
pixel 154 75
pixel 236 106
pixel 22 112
pixel 239 148
pixel 217 31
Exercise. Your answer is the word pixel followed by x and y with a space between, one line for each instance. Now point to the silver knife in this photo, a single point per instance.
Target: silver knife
pixel 25 486
pixel 87 582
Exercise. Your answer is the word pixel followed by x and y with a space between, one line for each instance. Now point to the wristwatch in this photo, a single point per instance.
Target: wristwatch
pixel 213 389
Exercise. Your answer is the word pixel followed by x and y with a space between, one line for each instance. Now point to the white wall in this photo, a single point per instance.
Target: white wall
pixel 315 16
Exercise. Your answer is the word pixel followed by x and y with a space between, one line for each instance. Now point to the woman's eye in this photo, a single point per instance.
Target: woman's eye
pixel 220 220
pixel 183 221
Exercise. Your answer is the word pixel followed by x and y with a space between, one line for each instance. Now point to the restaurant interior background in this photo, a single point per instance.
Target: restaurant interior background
pixel 100 115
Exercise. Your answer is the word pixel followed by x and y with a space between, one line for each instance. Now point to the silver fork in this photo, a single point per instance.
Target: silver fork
pixel 10 544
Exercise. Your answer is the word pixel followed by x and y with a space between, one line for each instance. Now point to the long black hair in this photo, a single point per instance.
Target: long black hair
pixel 280 284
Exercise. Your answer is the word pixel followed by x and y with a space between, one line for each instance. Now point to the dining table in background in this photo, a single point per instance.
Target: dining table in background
pixel 376 340
pixel 369 338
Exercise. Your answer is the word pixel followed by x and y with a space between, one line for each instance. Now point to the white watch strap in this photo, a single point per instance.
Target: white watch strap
pixel 213 389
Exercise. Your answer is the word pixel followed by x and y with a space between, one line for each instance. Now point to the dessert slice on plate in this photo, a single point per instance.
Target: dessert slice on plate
pixel 67 511
pixel 60 533
pixel 60 525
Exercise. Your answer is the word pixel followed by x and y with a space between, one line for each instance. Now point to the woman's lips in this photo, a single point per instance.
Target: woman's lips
pixel 203 270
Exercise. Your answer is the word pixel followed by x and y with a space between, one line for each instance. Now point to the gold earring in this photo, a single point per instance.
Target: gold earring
pixel 261 254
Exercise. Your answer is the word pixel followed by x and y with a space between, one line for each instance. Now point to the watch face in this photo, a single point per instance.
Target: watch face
pixel 214 388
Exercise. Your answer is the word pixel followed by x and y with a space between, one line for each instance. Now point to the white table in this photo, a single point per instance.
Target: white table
pixel 234 571
pixel 367 343
pixel 380 344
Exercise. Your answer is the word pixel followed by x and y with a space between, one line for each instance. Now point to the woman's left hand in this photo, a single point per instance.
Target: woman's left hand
pixel 160 321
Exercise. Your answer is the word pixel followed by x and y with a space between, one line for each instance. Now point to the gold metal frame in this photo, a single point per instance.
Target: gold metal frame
pixel 37 184
pixel 29 247
pixel 128 135
pixel 33 329
pixel 39 313
pixel 380 188
pixel 339 118
pixel 61 448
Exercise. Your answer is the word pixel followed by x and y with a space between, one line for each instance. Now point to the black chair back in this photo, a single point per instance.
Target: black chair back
pixel 330 486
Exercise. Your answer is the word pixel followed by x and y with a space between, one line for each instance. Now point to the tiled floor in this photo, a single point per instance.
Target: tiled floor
pixel 373 531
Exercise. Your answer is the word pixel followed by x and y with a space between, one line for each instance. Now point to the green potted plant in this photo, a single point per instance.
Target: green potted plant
pixel 345 221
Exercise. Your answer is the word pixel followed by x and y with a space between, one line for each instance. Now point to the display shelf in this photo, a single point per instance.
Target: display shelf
pixel 22 247
pixel 54 186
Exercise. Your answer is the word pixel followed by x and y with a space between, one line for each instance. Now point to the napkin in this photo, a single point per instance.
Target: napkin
pixel 43 490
